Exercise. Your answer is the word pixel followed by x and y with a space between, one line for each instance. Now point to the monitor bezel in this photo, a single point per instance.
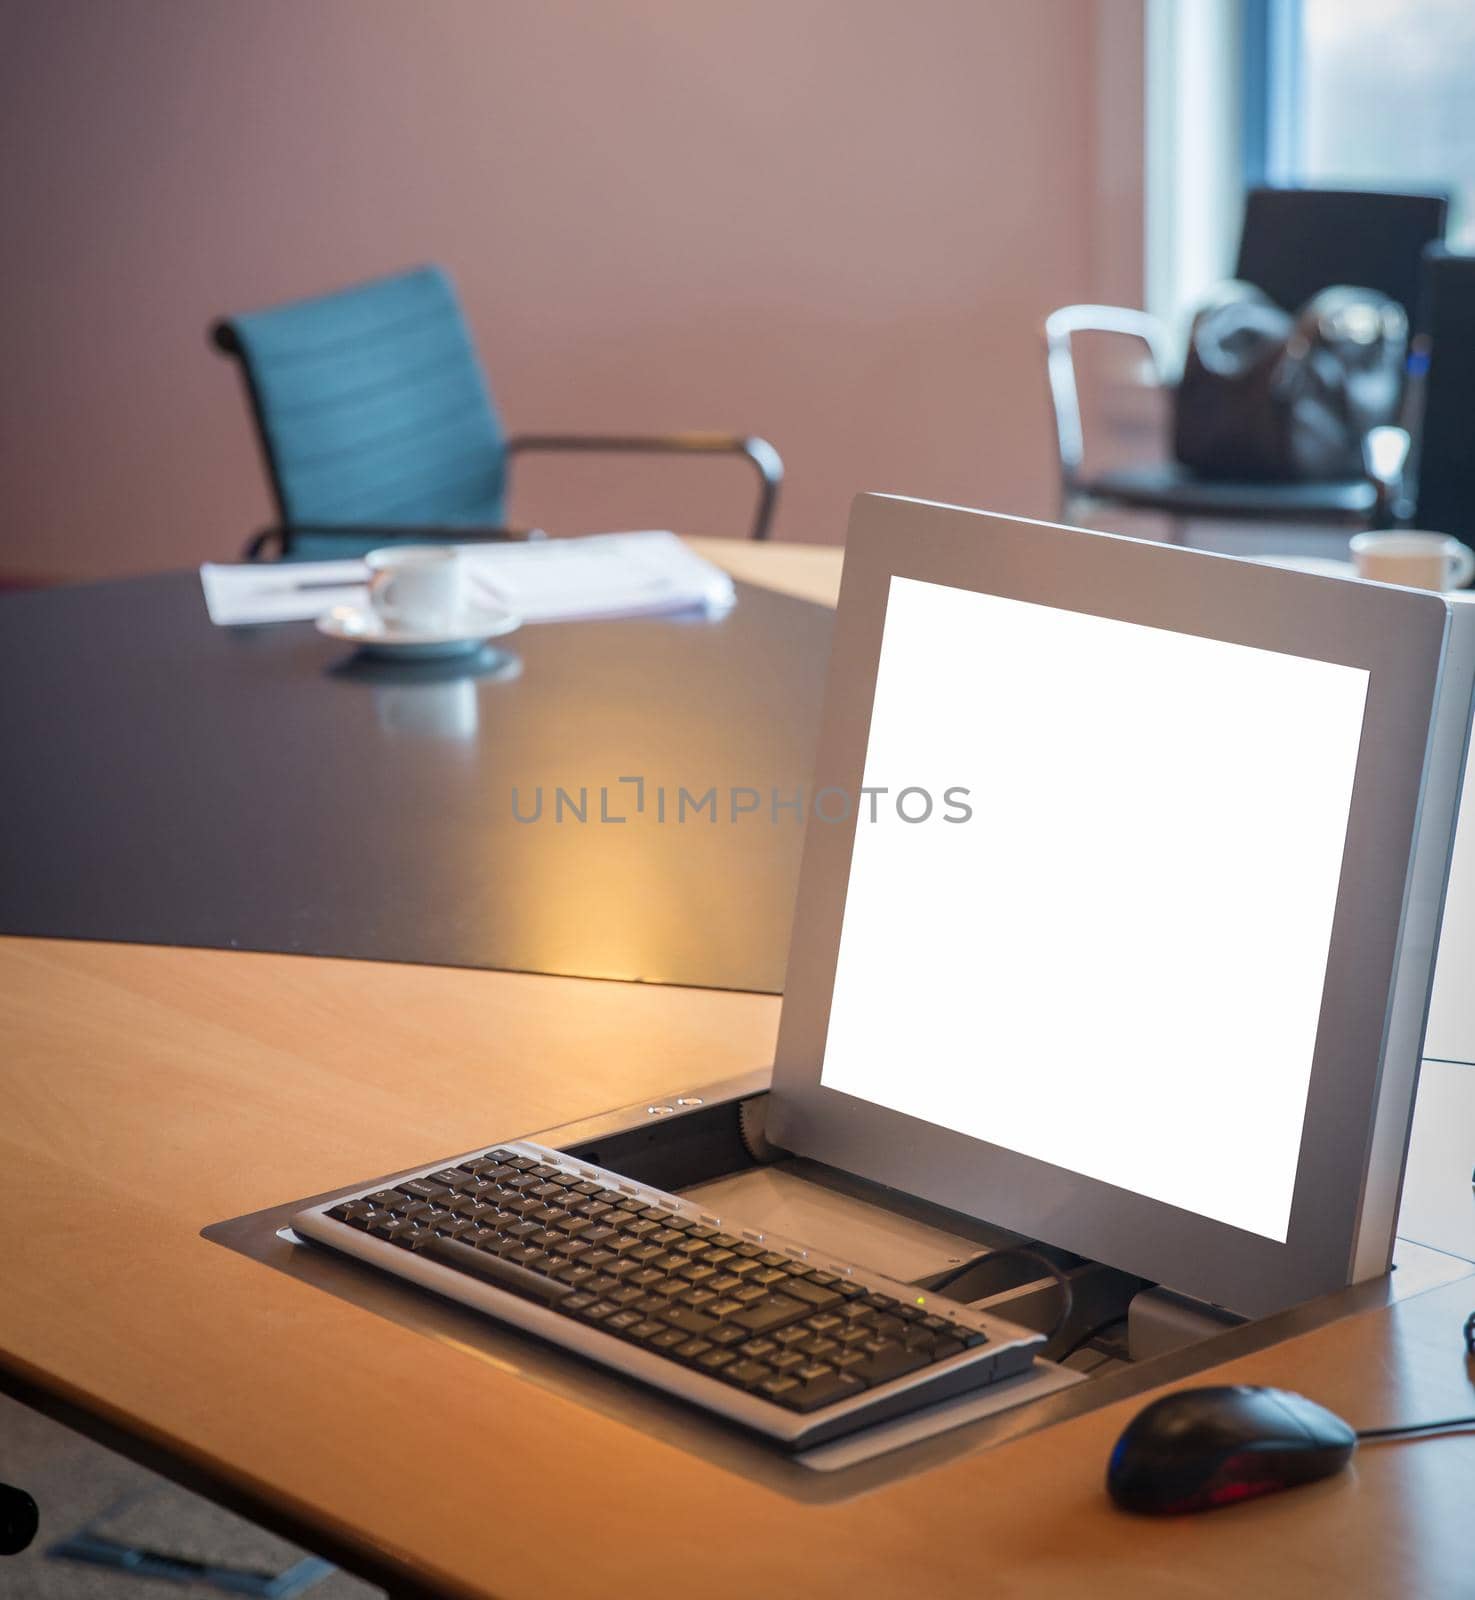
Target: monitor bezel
pixel 1398 636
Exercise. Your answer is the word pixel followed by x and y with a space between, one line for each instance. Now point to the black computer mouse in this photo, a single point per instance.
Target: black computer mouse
pixel 1201 1448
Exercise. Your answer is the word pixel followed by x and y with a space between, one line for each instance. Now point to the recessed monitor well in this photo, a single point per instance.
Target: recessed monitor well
pixel 1115 963
pixel 1154 991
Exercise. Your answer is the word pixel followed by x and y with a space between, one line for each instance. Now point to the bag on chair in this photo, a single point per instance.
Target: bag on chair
pixel 1268 396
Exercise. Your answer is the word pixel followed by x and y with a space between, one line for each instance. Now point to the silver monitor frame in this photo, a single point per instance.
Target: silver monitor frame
pixel 1420 653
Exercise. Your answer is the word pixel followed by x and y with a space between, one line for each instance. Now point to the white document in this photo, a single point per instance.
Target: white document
pixel 287 591
pixel 603 575
pixel 546 580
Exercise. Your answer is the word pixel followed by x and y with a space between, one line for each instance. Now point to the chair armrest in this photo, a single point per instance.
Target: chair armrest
pixel 1385 453
pixel 362 532
pixel 1060 327
pixel 765 459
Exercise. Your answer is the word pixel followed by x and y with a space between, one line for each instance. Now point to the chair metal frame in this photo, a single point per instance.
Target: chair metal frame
pixel 1060 328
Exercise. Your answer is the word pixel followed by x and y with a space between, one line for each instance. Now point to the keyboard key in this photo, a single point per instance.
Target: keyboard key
pixel 622 1320
pixel 692 1349
pixel 689 1321
pixel 669 1339
pixel 748 1373
pixel 757 1349
pixel 811 1293
pixel 419 1189
pixel 893 1361
pixel 787 1361
pixel 822 1391
pixel 777 1388
pixel 773 1311
pixel 726 1334
pixel 716 1360
pixel 648 1329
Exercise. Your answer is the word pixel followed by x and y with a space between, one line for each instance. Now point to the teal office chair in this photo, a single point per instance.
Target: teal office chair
pixel 377 424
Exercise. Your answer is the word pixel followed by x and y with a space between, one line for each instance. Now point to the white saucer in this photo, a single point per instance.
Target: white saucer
pixel 358 625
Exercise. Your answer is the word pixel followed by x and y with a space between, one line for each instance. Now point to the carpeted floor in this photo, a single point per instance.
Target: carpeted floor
pixel 77 1483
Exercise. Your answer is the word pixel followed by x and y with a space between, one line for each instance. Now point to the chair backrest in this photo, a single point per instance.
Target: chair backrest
pixel 1296 242
pixel 1444 500
pixel 371 405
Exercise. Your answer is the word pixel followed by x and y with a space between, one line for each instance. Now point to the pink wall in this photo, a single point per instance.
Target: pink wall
pixel 834 222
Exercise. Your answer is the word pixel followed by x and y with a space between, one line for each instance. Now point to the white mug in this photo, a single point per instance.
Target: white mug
pixel 1417 560
pixel 416 586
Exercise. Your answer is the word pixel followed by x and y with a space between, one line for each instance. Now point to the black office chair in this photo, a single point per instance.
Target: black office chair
pixel 377 424
pixel 1441 489
pixel 1294 243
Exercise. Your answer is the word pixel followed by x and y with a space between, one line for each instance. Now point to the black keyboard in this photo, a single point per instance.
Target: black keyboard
pixel 762 1331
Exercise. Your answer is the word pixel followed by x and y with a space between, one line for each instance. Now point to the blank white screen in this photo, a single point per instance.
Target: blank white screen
pixel 1116 965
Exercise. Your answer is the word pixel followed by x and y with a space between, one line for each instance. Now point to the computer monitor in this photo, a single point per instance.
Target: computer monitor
pixel 1118 908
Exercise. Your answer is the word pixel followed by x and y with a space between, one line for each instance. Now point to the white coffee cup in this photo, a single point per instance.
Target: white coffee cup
pixel 1417 560
pixel 416 587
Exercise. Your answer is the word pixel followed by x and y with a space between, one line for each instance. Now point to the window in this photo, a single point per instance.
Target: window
pixel 1364 94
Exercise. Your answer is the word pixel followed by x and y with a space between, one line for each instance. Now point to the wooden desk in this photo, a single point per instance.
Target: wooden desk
pixel 146 1093
pixel 150 1092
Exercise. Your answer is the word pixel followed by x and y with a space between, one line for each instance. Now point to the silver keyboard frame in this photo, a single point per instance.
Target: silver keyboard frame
pixel 1010 1348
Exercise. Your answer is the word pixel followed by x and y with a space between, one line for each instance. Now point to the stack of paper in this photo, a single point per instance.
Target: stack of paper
pixel 288 591
pixel 605 575
pixel 546 580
